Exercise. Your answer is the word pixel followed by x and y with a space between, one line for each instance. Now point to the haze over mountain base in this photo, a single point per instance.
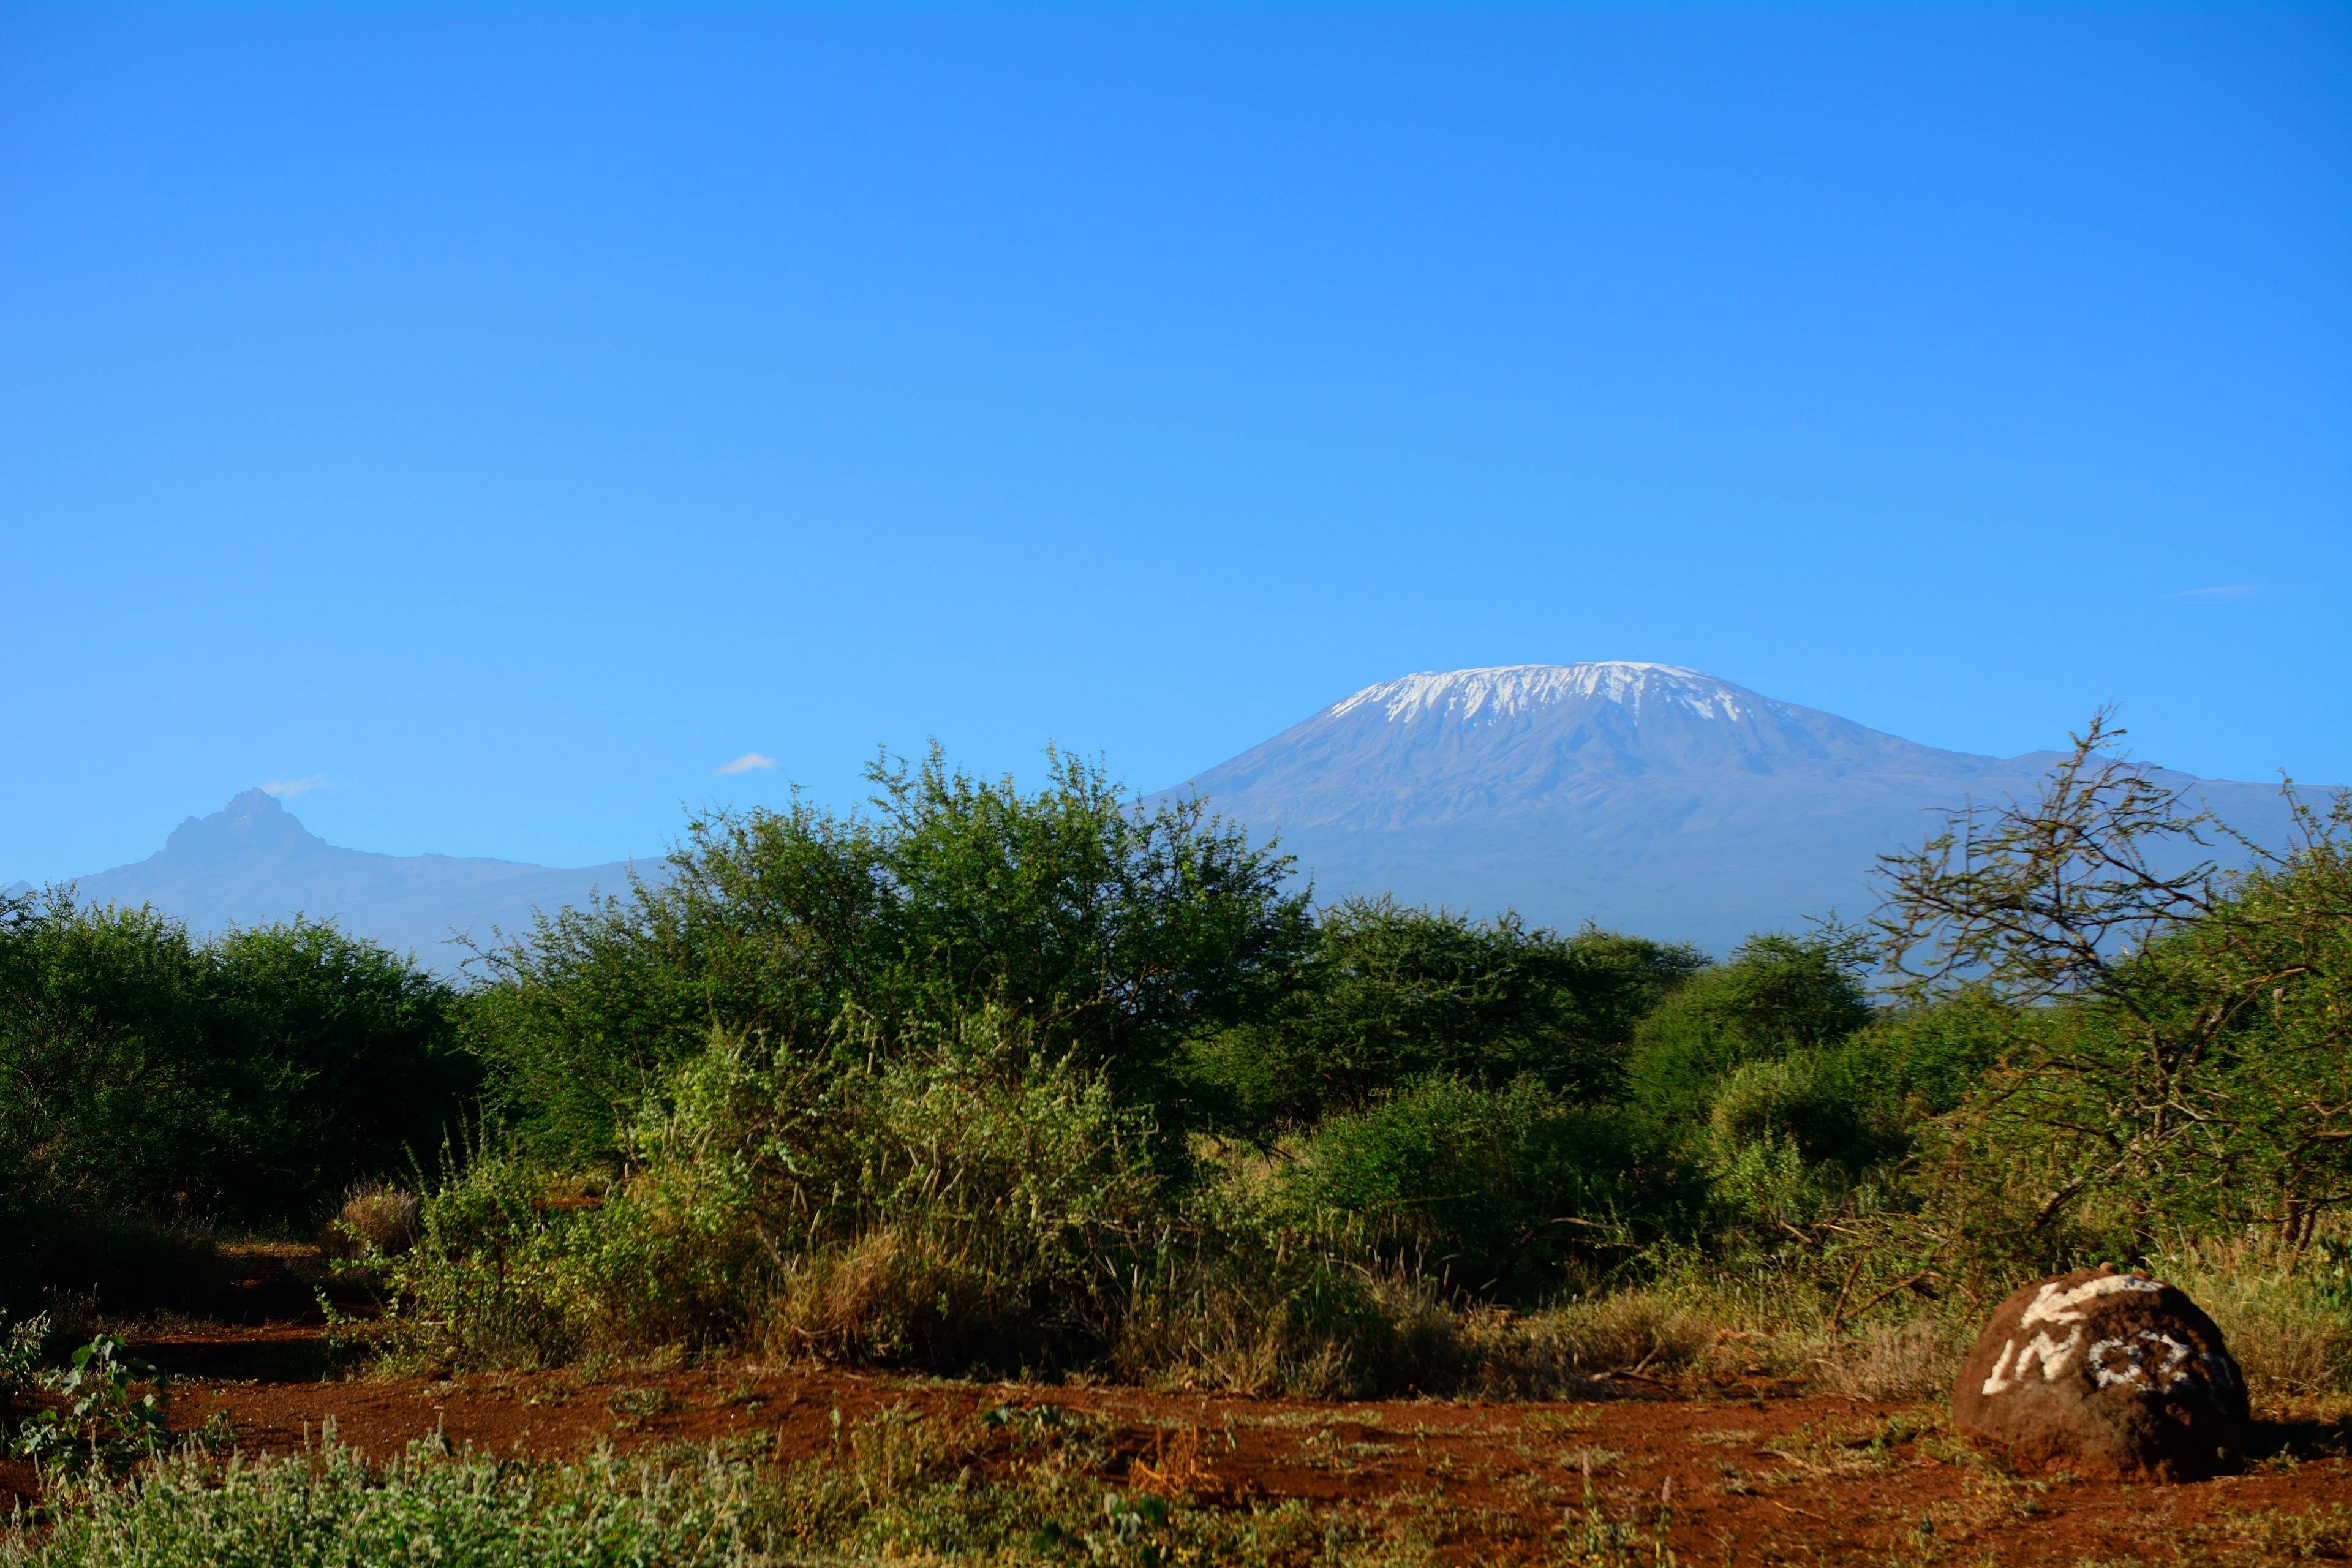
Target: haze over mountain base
pixel 1644 797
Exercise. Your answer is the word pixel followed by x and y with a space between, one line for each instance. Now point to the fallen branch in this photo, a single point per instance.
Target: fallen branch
pixel 1913 1283
pixel 1837 1312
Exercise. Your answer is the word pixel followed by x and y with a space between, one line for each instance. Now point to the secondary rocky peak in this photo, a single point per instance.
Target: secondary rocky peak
pixel 253 863
pixel 253 820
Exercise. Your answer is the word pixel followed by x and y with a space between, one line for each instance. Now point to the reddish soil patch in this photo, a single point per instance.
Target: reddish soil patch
pixel 1755 1477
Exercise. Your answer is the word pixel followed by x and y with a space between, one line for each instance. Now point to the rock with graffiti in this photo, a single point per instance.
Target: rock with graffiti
pixel 2103 1374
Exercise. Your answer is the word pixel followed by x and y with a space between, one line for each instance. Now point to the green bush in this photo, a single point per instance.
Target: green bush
pixel 1119 931
pixel 21 1343
pixel 488 1279
pixel 1000 1198
pixel 1389 994
pixel 1846 1108
pixel 161 1086
pixel 350 1060
pixel 1931 1058
pixel 1790 1144
pixel 1245 1293
pixel 1777 995
pixel 120 1097
pixel 1488 1190
pixel 966 1200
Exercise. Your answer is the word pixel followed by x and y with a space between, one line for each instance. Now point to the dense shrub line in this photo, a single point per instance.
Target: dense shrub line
pixel 1052 1079
pixel 159 1086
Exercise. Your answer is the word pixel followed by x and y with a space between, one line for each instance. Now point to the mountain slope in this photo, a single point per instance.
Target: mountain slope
pixel 1644 797
pixel 253 863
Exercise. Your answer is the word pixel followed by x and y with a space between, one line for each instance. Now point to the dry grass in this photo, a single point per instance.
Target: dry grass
pixel 1898 1361
pixel 1714 1330
pixel 375 1221
pixel 1178 1466
pixel 2289 1338
pixel 1207 1323
pixel 836 1302
pixel 2292 1340
pixel 1578 1349
pixel 1675 1332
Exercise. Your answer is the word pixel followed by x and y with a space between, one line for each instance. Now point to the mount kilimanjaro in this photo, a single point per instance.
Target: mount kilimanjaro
pixel 1641 796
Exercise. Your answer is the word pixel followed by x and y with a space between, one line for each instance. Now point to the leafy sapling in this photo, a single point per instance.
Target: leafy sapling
pixel 106 1423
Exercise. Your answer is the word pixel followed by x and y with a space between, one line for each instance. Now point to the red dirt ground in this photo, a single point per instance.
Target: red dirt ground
pixel 1758 1477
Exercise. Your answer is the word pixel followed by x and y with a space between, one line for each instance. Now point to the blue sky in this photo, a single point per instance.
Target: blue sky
pixel 503 419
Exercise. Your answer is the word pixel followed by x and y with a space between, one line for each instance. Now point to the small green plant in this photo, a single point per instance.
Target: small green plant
pixel 218 1434
pixel 20 1366
pixel 345 1333
pixel 2331 1272
pixel 1026 1421
pixel 634 1406
pixel 1133 1524
pixel 1596 1541
pixel 106 1423
pixel 20 1354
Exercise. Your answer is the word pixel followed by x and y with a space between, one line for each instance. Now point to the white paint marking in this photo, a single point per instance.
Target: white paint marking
pixel 2042 1348
pixel 2054 1357
pixel 2052 1305
pixel 1998 1382
pixel 2108 1376
pixel 2135 1368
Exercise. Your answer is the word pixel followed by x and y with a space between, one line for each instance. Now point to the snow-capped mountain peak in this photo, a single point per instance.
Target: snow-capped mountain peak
pixel 1649 797
pixel 1479 743
pixel 1512 690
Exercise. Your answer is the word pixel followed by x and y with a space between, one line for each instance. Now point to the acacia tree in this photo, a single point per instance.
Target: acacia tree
pixel 2187 1052
pixel 1115 927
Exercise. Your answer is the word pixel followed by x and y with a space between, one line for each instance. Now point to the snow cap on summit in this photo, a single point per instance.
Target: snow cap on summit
pixel 1505 691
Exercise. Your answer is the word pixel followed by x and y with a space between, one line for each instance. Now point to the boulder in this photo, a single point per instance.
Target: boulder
pixel 2103 1374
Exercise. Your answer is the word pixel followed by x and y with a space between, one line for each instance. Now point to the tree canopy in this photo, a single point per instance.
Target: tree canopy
pixel 1115 929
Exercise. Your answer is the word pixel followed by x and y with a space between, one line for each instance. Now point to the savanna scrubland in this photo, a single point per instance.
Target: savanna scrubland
pixel 987 1084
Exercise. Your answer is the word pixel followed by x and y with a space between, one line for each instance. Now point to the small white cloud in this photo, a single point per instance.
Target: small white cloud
pixel 287 789
pixel 744 764
pixel 2230 591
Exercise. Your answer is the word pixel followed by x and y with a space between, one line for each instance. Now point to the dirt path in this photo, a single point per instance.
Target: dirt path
pixel 1754 1479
